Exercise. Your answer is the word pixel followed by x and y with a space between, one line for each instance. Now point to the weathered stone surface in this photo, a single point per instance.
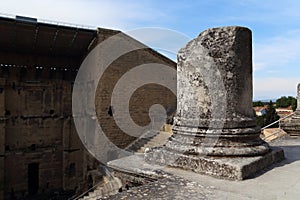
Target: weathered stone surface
pixel 168 188
pixel 298 99
pixel 292 125
pixel 214 109
pixel 215 95
pixel 214 70
pixel 37 123
pixel 275 182
pixel 232 168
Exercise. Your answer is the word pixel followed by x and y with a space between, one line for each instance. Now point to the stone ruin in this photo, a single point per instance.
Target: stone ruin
pixel 215 129
pixel 292 125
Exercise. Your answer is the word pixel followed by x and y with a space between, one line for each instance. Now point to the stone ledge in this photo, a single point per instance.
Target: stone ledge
pixel 232 168
pixel 136 165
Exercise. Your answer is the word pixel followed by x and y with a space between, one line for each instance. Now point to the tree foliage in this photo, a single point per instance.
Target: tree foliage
pixel 258 103
pixel 286 102
pixel 270 116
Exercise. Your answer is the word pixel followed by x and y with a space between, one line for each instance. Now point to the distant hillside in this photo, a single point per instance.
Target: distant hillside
pixel 265 100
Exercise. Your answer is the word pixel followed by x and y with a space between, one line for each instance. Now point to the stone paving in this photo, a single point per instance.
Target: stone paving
pixel 171 187
pixel 280 181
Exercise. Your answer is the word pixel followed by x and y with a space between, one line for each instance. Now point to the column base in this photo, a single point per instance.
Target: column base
pixel 292 126
pixel 233 168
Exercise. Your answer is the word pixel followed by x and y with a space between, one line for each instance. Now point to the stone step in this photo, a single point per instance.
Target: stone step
pixel 270 134
pixel 144 138
pixel 160 139
pixel 107 189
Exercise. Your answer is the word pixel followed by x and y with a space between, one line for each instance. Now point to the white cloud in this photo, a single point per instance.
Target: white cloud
pixel 271 56
pixel 276 68
pixel 161 39
pixel 277 52
pixel 271 87
pixel 109 14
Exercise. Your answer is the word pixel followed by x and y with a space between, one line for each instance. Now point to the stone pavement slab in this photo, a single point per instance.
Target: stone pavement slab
pixel 280 181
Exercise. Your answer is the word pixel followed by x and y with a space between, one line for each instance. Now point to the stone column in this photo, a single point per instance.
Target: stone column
pixel 292 125
pixel 215 127
pixel 298 100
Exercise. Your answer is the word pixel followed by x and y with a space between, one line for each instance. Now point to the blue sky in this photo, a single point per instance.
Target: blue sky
pixel 275 27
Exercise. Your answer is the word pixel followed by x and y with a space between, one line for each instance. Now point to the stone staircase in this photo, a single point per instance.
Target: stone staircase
pixel 141 141
pixel 151 138
pixel 106 186
pixel 270 134
pixel 110 186
pixel 158 140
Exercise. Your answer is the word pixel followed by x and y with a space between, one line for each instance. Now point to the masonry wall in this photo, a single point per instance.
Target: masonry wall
pixel 2 136
pixel 39 129
pixel 141 100
pixel 36 124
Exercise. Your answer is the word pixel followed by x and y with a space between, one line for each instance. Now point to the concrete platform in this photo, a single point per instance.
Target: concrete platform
pixel 280 181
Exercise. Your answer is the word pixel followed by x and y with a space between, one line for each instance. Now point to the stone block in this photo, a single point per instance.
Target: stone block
pixel 232 168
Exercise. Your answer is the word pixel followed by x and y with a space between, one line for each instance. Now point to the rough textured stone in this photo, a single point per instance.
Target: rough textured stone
pixel 232 168
pixel 214 110
pixel 214 70
pixel 292 125
pixel 168 188
pixel 275 182
pixel 298 98
pixel 215 95
pixel 36 122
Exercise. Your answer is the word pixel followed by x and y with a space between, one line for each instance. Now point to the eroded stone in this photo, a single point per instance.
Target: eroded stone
pixel 292 125
pixel 214 119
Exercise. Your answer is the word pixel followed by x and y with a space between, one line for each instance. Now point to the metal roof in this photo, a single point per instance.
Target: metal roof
pixel 28 36
pixel 30 42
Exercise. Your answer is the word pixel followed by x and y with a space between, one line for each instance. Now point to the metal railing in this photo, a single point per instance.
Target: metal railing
pixel 279 128
pixel 278 121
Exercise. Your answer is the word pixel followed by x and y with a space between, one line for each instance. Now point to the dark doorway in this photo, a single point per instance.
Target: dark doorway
pixel 33 178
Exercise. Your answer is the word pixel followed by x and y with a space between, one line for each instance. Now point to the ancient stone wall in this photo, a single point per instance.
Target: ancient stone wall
pixel 37 128
pixel 2 136
pixel 141 100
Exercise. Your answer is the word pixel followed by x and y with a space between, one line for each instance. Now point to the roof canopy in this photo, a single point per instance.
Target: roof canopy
pixel 25 41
